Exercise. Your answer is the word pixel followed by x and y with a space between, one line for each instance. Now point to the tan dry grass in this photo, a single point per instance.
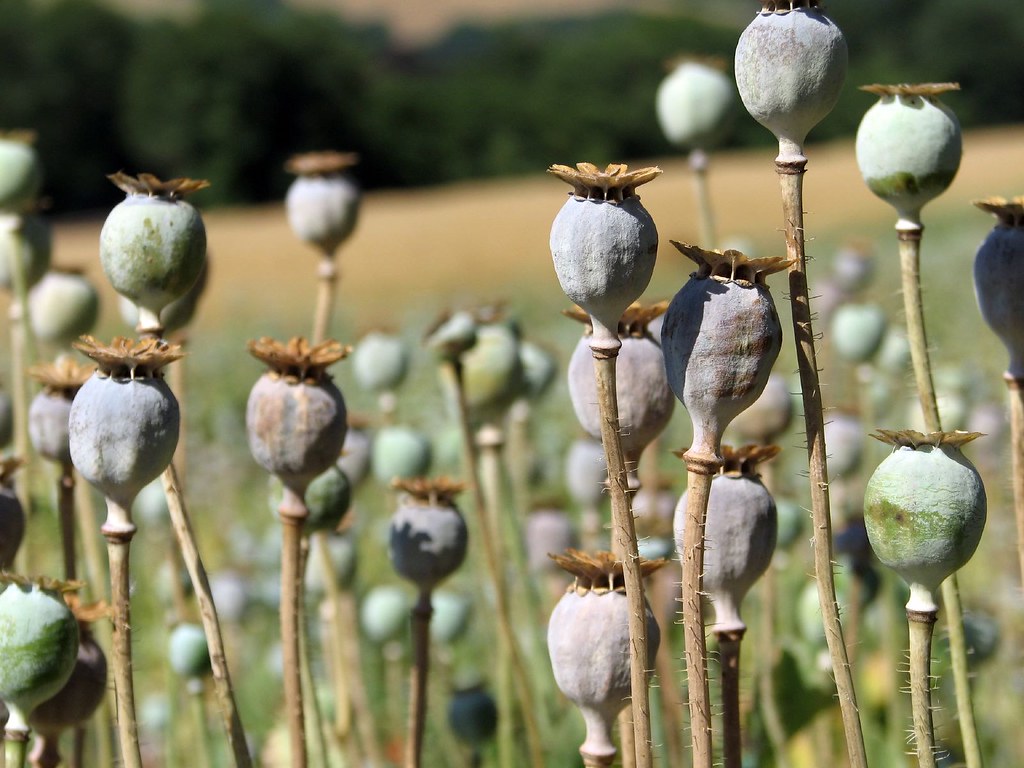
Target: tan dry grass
pixel 485 240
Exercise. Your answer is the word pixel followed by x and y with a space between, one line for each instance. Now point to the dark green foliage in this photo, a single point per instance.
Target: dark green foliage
pixel 230 92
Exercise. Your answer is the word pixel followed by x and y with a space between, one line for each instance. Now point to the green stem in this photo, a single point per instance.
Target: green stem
pixel 333 644
pixel 15 747
pixel 921 627
pixel 366 723
pixel 625 547
pixel 790 166
pixel 699 165
pixel 909 236
pixel 202 743
pixel 293 515
pixel 729 657
pixel 420 622
pixel 314 723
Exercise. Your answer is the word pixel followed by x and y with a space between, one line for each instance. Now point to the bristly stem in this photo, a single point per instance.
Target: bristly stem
pixel 909 236
pixel 182 526
pixel 625 546
pixel 327 276
pixel 698 491
pixel 791 165
pixel 729 656
pixel 922 624
pixel 420 621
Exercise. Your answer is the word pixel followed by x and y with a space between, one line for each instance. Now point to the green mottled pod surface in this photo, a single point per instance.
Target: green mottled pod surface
pixel 21 173
pixel 999 278
pixel 328 499
pixel 492 371
pixel 38 645
pixel 790 67
pixel 925 510
pixel 33 243
pixel 696 104
pixel 81 695
pixel 909 146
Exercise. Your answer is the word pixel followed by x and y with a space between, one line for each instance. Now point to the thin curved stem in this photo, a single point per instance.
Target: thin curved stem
pixel 315 722
pixel 332 641
pixel 420 621
pixel 223 689
pixel 365 721
pixel 729 656
pixel 921 627
pixel 293 513
pixel 625 546
pixel 790 168
pixel 909 236
pixel 327 276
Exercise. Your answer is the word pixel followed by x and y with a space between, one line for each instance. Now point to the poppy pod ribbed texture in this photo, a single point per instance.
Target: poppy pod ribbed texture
pixel 295 416
pixel 428 537
pixel 604 243
pixel 588 643
pixel 999 278
pixel 124 420
pixel 909 146
pixel 645 399
pixel 790 67
pixel 323 201
pixel 720 338
pixel 740 535
pixel 925 509
pixel 153 243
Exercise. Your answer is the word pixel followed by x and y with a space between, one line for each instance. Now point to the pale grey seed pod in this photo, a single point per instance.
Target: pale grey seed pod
pixel 844 436
pixel 857 331
pixel 50 409
pixel 428 537
pixel 35 245
pixel 12 516
pixel 151 507
pixel 153 243
pixel 124 420
pixel 854 267
pixel 604 243
pixel 909 146
pixel 63 306
pixel 178 313
pixel 384 613
pixel 645 399
pixel 355 452
pixel 588 642
pixel 540 368
pixel 548 529
pixel 741 532
pixel 586 472
pixel 696 104
pixel 380 361
pixel 21 171
pixel 790 66
pixel 295 416
pixel 721 338
pixel 450 618
pixel 999 278
pixel 925 509
pixel 770 415
pixel 323 202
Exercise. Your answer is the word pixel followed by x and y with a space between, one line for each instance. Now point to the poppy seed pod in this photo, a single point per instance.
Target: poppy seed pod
pixel 696 104
pixel 188 652
pixel 428 536
pixel 770 415
pixel 35 242
pixel 473 715
pixel 153 243
pixel 999 279
pixel 844 436
pixel 450 618
pixel 401 452
pixel 38 645
pixel 909 146
pixel 492 370
pixel 586 472
pixel 741 531
pixel 179 312
pixel 720 337
pixel 12 516
pixel 925 509
pixel 588 642
pixel 604 243
pixel 63 306
pixel 548 529
pixel 380 361
pixel 645 399
pixel 355 452
pixel 858 331
pixel 21 172
pixel 50 410
pixel 124 420
pixel 328 499
pixel 295 417
pixel 323 201
pixel 854 267
pixel 790 67
pixel 539 368
pixel 384 613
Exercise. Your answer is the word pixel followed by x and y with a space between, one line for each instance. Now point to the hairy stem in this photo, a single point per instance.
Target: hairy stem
pixel 420 622
pixel 729 657
pixel 625 546
pixel 909 236
pixel 790 167
pixel 921 625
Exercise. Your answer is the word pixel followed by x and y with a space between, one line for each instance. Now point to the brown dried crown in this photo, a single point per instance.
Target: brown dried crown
pixel 20 135
pixel 744 460
pixel 63 377
pixel 911 438
pixel 150 185
pixel 599 572
pixel 43 582
pixel 910 89
pixel 1010 212
pixel 8 467
pixel 325 163
pixel 634 320
pixel 614 184
pixel 433 491
pixel 731 266
pixel 787 6
pixel 296 361
pixel 125 358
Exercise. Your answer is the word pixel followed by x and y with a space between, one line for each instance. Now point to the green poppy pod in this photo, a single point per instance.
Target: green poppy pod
pixel 450 618
pixel 188 652
pixel 380 361
pixel 909 146
pixel 328 499
pixel 153 243
pixel 473 715
pixel 63 306
pixel 696 104
pixel 384 613
pixel 21 172
pixel 323 202
pixel 539 368
pixel 178 313
pixel 38 645
pixel 34 244
pixel 999 279
pixel 925 509
pixel 857 331
pixel 401 452
pixel 492 371
pixel 790 66
pixel 604 243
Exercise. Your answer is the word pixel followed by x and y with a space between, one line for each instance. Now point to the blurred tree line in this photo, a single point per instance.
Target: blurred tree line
pixel 230 92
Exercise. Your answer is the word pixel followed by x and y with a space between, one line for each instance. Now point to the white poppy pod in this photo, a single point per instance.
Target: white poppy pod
pixel 323 202
pixel 695 104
